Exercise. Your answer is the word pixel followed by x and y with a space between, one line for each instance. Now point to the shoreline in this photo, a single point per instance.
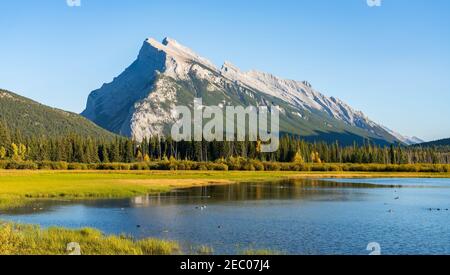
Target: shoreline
pixel 20 187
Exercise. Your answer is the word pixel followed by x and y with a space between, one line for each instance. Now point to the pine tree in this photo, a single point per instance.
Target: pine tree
pixel 5 136
pixel 129 151
pixel 114 154
pixel 103 154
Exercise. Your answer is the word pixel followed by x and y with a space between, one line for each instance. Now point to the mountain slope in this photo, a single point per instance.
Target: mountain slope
pixel 34 119
pixel 139 102
pixel 404 139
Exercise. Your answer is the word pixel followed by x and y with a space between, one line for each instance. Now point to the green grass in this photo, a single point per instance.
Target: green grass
pixel 17 187
pixel 18 239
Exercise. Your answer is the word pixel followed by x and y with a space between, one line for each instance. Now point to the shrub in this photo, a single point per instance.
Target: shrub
pixel 272 166
pixel 248 167
pixel 51 165
pixel 3 164
pixel 109 166
pixel 296 167
pixel 22 165
pixel 164 165
pixel 181 166
pixel 217 166
pixel 258 165
pixel 335 168
pixel 77 166
pixel 139 166
pixel 319 168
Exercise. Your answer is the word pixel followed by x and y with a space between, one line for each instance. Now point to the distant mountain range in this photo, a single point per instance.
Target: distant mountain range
pixel 139 102
pixel 441 142
pixel 35 119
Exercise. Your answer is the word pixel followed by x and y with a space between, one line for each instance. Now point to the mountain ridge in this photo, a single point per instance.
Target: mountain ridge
pixel 138 102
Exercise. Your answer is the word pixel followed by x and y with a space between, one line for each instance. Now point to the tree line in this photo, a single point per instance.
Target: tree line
pixel 74 148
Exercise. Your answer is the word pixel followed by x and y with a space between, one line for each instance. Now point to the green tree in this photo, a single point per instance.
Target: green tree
pixel 5 136
pixel 114 154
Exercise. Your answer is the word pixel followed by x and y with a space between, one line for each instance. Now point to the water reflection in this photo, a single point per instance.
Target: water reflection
pixel 281 190
pixel 306 189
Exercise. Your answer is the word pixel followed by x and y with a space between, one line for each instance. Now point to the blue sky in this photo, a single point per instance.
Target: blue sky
pixel 392 61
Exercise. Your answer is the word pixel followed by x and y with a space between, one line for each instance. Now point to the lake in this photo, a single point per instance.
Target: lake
pixel 336 216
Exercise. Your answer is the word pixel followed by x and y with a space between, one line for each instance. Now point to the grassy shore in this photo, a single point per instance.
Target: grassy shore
pixel 19 239
pixel 17 187
pixel 16 239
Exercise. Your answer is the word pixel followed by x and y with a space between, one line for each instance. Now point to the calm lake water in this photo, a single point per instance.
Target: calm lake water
pixel 405 216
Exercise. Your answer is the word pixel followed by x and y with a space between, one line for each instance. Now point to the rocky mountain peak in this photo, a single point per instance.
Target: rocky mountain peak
pixel 138 103
pixel 175 52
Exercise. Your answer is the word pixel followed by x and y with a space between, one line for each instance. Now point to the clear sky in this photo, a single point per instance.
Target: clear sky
pixel 392 62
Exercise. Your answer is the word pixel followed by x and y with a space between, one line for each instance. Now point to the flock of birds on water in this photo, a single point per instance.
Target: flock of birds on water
pixel 429 209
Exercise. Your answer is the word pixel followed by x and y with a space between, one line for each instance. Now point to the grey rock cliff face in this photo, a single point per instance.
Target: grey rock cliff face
pixel 113 105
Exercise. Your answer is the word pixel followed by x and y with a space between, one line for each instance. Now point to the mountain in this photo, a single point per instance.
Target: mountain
pixel 441 142
pixel 139 102
pixel 404 139
pixel 35 119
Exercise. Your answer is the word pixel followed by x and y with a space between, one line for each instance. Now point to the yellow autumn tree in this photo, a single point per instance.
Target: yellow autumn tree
pixel 22 152
pixel 258 146
pixel 315 157
pixel 2 152
pixel 298 158
pixel 146 158
pixel 139 156
pixel 15 152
